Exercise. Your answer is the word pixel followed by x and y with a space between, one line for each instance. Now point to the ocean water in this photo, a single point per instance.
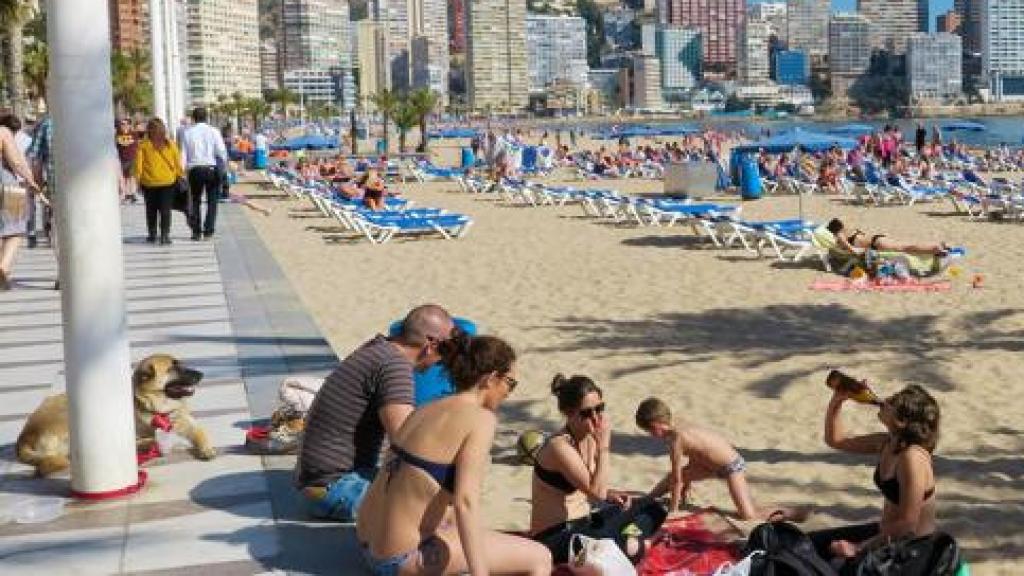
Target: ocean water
pixel 999 129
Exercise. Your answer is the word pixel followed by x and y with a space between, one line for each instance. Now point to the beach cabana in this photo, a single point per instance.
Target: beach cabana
pixel 851 130
pixel 963 126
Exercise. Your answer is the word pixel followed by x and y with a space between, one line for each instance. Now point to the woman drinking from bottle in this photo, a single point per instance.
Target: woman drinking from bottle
pixel 904 473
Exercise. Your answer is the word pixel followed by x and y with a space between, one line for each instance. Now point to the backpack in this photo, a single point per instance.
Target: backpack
pixel 933 555
pixel 787 552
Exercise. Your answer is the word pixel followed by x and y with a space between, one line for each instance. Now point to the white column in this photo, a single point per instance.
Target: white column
pixel 174 104
pixel 96 356
pixel 156 52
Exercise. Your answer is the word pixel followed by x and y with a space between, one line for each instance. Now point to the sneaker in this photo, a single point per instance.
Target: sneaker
pixel 196 236
pixel 165 240
pixel 151 239
pixel 32 242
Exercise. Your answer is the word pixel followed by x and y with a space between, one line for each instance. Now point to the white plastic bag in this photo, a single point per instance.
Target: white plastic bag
pixel 741 568
pixel 593 557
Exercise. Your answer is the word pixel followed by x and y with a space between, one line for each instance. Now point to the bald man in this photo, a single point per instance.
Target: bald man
pixel 368 396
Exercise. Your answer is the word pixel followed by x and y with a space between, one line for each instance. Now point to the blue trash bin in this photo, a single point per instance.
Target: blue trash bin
pixel 260 159
pixel 381 151
pixel 750 179
pixel 468 159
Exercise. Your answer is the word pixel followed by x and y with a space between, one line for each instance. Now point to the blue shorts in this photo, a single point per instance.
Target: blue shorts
pixel 343 497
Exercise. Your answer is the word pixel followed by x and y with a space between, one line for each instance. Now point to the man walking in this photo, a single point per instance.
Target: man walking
pixel 202 147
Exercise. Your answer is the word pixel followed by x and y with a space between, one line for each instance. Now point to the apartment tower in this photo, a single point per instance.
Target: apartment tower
pixel 807 26
pixel 892 22
pixel 129 25
pixel 496 72
pixel 223 49
pixel 719 23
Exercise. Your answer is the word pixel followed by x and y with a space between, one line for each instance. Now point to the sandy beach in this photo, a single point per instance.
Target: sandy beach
pixel 735 343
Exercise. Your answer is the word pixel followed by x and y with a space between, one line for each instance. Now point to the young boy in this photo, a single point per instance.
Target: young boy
pixel 708 455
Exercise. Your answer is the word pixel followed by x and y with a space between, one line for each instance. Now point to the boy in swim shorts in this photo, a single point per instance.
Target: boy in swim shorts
pixel 698 454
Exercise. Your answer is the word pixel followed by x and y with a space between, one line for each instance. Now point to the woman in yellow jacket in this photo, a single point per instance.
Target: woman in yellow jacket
pixel 157 169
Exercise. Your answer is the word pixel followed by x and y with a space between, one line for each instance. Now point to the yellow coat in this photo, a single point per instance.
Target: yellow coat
pixel 154 167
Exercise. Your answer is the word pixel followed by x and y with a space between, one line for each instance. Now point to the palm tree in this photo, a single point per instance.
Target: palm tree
pixel 283 97
pixel 387 104
pixel 406 116
pixel 37 64
pixel 423 103
pixel 14 14
pixel 238 102
pixel 257 109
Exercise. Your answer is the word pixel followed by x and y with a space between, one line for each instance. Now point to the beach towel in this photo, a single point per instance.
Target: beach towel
pixel 694 545
pixel 887 285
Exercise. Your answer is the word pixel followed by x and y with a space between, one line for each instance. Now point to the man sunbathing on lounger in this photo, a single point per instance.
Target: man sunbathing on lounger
pixel 857 241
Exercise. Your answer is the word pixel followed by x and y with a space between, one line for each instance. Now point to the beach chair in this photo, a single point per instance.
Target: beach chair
pixel 382 229
pixel 729 230
pixel 788 244
pixel 918 264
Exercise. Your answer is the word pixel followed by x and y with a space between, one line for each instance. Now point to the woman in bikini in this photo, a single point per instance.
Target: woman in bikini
pixel 439 459
pixel 571 473
pixel 857 241
pixel 374 189
pixel 904 473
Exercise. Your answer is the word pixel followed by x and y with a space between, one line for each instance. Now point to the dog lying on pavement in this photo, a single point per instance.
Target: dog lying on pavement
pixel 160 385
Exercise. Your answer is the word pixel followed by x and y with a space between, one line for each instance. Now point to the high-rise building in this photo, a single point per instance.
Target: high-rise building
pixel 428 45
pixel 719 22
pixel 457 26
pixel 129 25
pixel 970 23
pixel 223 49
pixel 849 50
pixel 892 22
pixel 791 68
pixel 496 54
pixel 270 77
pixel 679 51
pixel 948 22
pixel 372 60
pixel 752 49
pixel 315 34
pixel 775 14
pixel 556 50
pixel 640 83
pixel 934 63
pixel 807 26
pixel 1002 48
pixel 394 16
pixel 619 23
pixel 315 49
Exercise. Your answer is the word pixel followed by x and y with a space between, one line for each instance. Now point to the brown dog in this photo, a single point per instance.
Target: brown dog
pixel 160 384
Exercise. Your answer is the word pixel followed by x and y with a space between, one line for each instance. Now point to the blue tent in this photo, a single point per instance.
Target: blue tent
pixel 796 138
pixel 963 125
pixel 308 142
pixel 852 130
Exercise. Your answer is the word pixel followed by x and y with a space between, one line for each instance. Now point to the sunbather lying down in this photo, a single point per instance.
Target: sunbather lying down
pixel 857 241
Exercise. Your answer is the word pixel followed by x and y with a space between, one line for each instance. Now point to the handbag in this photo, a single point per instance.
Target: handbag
pixel 13 203
pixel 932 555
pixel 181 189
pixel 598 557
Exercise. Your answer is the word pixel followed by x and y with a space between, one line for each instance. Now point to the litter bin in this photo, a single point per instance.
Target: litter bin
pixel 381 150
pixel 468 159
pixel 260 159
pixel 750 179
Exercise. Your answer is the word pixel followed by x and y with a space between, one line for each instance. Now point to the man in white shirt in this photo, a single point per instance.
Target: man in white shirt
pixel 203 151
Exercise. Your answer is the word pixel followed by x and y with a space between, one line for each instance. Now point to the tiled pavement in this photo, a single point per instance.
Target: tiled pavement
pixel 225 308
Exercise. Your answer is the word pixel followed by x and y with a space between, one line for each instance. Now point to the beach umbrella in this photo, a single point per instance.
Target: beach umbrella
pixel 851 130
pixel 805 140
pixel 963 126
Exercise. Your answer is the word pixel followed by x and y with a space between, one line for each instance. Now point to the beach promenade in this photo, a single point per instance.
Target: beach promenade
pixel 223 308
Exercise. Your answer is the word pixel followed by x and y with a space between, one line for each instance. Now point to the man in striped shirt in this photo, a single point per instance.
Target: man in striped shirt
pixel 368 396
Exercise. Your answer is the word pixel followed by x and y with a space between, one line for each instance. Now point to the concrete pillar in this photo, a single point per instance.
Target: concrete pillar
pixel 159 61
pixel 96 354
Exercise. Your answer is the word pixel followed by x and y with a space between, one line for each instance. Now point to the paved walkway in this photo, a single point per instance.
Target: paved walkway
pixel 225 308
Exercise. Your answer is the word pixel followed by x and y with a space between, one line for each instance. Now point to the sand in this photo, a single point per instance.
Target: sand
pixel 732 342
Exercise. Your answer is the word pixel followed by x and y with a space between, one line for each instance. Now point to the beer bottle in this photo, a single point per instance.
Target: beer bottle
pixel 858 390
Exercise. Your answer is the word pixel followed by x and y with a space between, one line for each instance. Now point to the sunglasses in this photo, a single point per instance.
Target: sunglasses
pixel 511 382
pixel 588 413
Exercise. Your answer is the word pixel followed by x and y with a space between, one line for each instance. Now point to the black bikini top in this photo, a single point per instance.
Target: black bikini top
pixel 443 474
pixel 890 487
pixel 552 478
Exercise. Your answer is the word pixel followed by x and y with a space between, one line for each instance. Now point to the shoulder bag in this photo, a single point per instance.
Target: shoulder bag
pixel 181 190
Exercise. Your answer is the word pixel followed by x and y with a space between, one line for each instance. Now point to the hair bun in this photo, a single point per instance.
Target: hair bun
pixel 558 383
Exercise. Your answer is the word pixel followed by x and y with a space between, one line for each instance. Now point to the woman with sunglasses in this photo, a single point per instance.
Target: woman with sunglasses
pixel 571 473
pixel 439 459
pixel 904 474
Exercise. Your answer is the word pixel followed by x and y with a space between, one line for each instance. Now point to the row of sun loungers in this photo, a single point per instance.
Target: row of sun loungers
pixel 379 227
